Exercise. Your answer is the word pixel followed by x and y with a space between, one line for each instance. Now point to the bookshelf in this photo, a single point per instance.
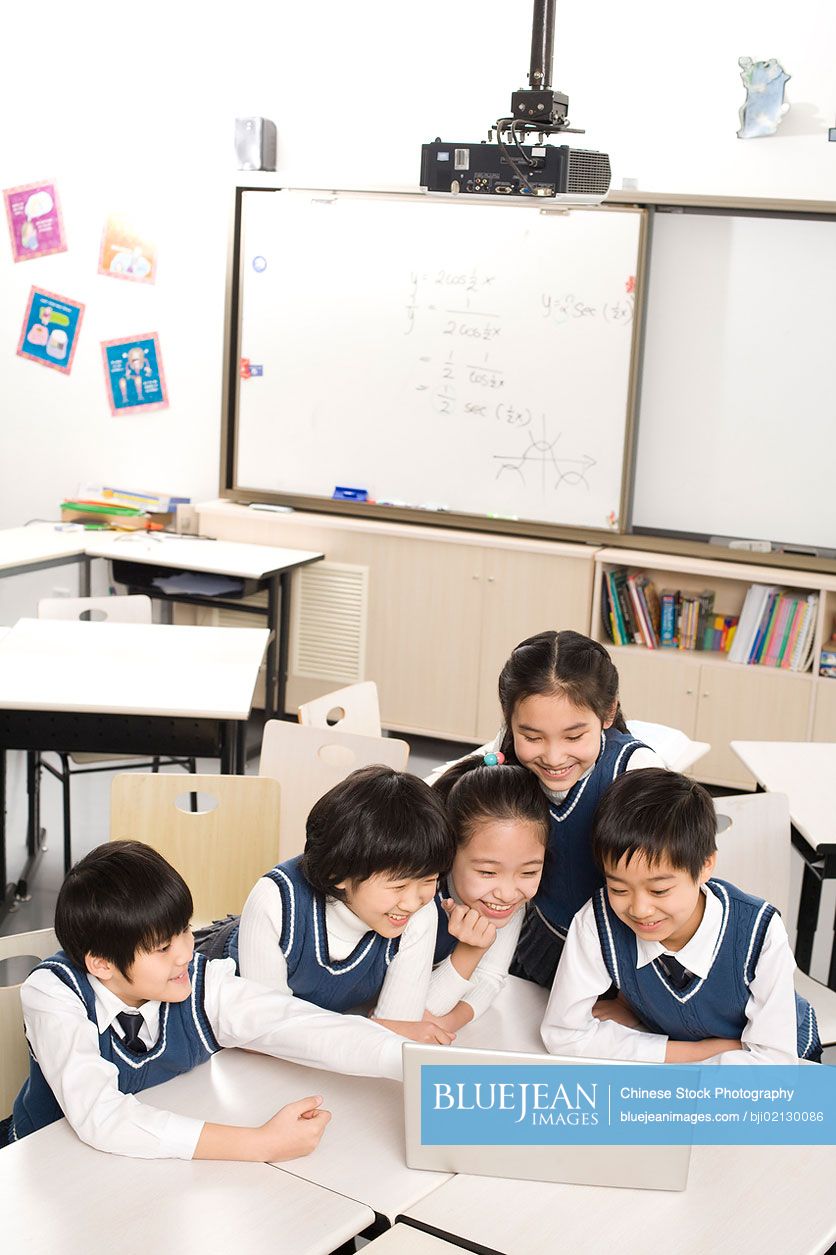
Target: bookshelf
pixel 703 692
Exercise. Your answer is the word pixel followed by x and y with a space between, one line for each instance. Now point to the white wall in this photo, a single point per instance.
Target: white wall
pixel 134 109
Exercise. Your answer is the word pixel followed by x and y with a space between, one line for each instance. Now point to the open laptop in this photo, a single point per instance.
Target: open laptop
pixel 632 1167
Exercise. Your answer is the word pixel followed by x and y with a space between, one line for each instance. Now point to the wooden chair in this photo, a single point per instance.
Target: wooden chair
pixel 220 853
pixel 754 853
pixel 133 609
pixel 677 751
pixel 352 709
pixel 14 1053
pixel 307 762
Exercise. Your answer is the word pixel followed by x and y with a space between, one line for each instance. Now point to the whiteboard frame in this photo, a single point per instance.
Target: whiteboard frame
pixel 626 537
pixel 232 490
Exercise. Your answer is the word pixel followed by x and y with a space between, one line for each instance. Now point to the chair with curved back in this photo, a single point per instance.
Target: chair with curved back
pixel 352 709
pixel 307 762
pixel 754 854
pixel 14 1052
pixel 220 850
pixel 133 609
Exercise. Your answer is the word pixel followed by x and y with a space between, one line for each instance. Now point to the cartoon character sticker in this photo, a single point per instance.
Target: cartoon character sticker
pixel 35 223
pixel 134 374
pixel 125 254
pixel 764 108
pixel 51 326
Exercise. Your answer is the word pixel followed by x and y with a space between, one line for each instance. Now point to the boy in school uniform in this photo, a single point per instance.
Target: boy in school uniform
pixel 704 970
pixel 127 1004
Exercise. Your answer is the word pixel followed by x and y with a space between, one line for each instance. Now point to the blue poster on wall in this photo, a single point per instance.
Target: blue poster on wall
pixel 49 334
pixel 134 375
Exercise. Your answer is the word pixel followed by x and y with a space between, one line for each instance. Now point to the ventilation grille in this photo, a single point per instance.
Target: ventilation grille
pixel 330 610
pixel 588 172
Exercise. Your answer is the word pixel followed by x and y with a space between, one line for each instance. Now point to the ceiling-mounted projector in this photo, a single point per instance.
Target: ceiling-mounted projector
pixel 510 166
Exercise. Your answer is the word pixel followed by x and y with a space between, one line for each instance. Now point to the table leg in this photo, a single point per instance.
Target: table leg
pixel 808 915
pixel 228 747
pixel 275 614
pixel 285 582
pixel 241 747
pixel 7 891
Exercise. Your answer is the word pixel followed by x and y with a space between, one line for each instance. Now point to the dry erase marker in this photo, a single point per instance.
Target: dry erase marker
pixel 271 509
pixel 507 518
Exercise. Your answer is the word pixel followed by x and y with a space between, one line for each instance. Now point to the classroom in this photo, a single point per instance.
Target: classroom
pixel 463 425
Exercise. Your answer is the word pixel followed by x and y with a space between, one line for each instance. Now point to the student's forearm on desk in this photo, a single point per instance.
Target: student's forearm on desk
pixel 292 1132
pixel 697 1051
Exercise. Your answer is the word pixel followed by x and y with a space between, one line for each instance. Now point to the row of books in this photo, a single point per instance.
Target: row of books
pixel 776 629
pixel 630 609
pixel 634 612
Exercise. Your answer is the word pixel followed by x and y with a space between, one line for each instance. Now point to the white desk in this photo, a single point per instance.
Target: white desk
pixel 269 566
pixel 753 1200
pixel 69 685
pixel 59 1197
pixel 806 772
pixel 38 547
pixel 362 1152
pixel 41 545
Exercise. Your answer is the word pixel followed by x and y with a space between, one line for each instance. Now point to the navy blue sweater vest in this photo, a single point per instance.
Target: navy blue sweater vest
pixel 445 943
pixel 713 1006
pixel 185 1040
pixel 335 984
pixel 570 876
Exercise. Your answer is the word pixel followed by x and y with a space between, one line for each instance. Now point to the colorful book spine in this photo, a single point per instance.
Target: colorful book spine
pixel 620 630
pixel 795 628
pixel 668 638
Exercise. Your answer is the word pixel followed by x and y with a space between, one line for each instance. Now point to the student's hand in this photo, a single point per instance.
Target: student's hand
pixel 618 1010
pixel 295 1130
pixel 467 925
pixel 426 1030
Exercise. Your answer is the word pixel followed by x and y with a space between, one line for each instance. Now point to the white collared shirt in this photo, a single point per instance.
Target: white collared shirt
pixel 403 995
pixel 240 1012
pixel 569 1027
pixel 448 987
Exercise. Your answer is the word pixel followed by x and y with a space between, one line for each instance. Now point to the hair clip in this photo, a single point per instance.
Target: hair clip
pixel 494 759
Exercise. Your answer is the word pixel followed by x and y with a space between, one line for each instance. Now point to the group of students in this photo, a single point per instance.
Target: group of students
pixel 563 852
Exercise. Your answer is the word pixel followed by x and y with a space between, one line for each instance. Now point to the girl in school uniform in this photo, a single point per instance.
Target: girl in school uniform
pixel 352 921
pixel 500 818
pixel 562 722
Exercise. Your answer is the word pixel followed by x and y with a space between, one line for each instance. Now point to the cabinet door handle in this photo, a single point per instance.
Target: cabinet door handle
pixel 706 694
pixel 475 576
pixel 490 579
pixel 689 692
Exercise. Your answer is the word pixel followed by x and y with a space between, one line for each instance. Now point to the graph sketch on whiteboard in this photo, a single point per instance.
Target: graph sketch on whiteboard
pixel 539 457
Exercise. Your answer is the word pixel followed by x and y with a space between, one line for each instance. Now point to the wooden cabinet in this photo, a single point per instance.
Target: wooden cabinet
pixel 738 703
pixel 702 693
pixel 824 720
pixel 444 609
pixel 525 591
pixel 659 689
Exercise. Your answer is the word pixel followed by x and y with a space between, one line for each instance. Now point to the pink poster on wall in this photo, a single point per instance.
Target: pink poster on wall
pixel 35 223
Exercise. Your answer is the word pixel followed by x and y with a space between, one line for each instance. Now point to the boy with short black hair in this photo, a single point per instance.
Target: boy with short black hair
pixel 126 1004
pixel 351 922
pixel 705 970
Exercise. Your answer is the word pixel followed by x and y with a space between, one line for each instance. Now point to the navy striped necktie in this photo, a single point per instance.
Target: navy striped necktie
pixel 677 975
pixel 131 1023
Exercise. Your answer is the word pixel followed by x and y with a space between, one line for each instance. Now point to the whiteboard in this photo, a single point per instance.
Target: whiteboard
pixel 737 409
pixel 445 353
